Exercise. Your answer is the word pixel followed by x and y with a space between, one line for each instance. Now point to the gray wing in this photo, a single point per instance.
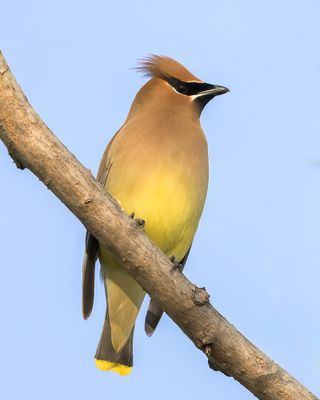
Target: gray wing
pixel 155 311
pixel 88 269
pixel 92 246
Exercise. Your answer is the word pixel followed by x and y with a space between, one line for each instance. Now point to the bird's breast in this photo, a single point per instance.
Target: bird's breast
pixel 164 182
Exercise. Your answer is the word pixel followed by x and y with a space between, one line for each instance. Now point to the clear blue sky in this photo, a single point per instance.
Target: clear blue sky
pixel 257 248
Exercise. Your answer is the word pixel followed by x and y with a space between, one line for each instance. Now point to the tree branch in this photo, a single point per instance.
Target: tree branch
pixel 32 145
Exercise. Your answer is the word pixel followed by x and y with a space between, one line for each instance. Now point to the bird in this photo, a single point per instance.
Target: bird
pixel 156 168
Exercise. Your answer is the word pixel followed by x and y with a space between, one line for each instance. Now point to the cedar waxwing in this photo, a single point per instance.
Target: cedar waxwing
pixel 156 167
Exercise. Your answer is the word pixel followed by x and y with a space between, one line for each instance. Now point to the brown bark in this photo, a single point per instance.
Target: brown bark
pixel 32 145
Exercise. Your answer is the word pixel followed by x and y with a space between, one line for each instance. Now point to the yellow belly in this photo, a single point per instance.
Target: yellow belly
pixel 170 207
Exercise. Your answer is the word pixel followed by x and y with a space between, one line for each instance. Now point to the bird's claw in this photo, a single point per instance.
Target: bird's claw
pixel 175 264
pixel 138 221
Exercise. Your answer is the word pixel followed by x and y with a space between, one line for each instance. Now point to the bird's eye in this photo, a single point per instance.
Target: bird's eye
pixel 182 88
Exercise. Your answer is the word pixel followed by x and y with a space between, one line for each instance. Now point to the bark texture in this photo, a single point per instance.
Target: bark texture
pixel 32 145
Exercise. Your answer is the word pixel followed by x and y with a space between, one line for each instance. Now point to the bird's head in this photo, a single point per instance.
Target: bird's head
pixel 171 84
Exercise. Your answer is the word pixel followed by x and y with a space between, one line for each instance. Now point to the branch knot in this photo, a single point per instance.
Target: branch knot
pixel 200 296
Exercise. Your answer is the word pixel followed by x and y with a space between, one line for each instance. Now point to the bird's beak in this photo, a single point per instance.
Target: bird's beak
pixel 213 90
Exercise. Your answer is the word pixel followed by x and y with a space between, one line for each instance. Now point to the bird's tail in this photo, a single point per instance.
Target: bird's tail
pixel 107 359
pixel 124 299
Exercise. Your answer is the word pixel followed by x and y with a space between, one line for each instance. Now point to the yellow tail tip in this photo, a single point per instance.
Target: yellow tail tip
pixel 103 365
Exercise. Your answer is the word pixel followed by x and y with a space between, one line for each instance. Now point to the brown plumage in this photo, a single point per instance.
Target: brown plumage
pixel 165 68
pixel 156 166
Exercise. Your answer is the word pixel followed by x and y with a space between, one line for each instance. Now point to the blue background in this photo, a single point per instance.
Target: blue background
pixel 257 248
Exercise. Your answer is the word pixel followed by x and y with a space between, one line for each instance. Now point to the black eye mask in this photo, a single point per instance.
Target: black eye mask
pixel 188 88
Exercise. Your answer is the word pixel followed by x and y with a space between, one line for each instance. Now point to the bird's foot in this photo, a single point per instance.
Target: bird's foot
pixel 175 264
pixel 138 221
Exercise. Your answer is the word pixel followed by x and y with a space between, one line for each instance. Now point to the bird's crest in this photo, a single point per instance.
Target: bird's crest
pixel 165 68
